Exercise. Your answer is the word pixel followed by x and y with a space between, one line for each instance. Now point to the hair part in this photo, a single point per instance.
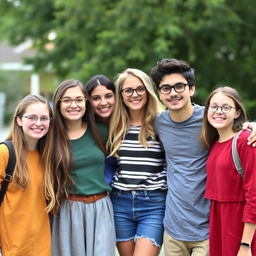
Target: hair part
pixel 209 134
pixel 120 120
pixel 172 66
pixel 97 80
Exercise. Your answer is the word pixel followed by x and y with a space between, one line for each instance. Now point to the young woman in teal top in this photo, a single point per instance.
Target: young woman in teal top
pixel 83 222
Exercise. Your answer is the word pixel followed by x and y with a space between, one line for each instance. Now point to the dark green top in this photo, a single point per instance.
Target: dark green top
pixel 88 173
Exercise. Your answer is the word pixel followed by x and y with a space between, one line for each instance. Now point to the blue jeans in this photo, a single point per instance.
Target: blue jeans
pixel 139 214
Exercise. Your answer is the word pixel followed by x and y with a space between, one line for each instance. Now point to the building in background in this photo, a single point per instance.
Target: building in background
pixel 18 79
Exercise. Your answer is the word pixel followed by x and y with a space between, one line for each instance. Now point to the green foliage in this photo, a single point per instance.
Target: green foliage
pixel 107 36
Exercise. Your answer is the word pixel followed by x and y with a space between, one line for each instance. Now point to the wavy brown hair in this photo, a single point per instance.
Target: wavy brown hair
pixel 20 175
pixel 62 159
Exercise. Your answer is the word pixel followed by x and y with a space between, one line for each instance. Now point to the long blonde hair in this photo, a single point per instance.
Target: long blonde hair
pixel 120 120
pixel 20 175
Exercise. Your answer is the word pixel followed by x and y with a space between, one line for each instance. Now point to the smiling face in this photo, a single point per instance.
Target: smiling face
pixel 103 101
pixel 219 120
pixel 73 104
pixel 176 101
pixel 34 122
pixel 137 99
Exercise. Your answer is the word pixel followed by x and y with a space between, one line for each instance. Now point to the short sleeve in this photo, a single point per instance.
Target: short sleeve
pixel 4 156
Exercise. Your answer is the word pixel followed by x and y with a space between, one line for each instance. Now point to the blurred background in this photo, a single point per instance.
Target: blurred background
pixel 43 42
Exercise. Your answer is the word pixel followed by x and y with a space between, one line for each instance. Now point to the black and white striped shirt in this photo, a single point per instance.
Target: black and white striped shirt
pixel 139 167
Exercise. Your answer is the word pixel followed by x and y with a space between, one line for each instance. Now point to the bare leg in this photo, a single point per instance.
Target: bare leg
pixel 126 248
pixel 145 247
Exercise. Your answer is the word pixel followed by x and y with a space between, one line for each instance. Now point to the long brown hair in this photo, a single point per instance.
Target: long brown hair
pixel 20 175
pixel 62 156
pixel 209 134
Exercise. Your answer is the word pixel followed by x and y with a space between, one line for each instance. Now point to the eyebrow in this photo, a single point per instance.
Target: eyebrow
pixel 142 85
pixel 75 97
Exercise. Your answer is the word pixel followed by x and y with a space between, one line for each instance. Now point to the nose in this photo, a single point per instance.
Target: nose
pixel 38 121
pixel 219 110
pixel 136 93
pixel 103 101
pixel 172 91
pixel 73 103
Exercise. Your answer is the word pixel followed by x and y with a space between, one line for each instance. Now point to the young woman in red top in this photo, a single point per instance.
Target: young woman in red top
pixel 233 198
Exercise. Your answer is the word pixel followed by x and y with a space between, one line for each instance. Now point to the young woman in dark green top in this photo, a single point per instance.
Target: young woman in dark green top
pixel 83 224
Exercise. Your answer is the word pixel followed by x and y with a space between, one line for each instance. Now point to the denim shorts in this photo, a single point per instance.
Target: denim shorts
pixel 139 214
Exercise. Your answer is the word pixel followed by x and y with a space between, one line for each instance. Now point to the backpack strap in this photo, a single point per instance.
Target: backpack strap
pixel 235 155
pixel 9 168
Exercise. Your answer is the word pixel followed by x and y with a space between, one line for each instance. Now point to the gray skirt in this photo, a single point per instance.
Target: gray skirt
pixel 82 229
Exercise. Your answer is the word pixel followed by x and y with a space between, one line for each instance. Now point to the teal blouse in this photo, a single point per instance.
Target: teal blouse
pixel 89 162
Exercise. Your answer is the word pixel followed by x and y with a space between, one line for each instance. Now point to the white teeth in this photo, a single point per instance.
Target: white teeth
pixel 218 119
pixel 73 112
pixel 37 130
pixel 104 110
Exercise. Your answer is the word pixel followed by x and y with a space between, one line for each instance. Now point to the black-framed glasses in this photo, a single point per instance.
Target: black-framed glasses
pixel 34 118
pixel 224 109
pixel 68 101
pixel 128 92
pixel 167 88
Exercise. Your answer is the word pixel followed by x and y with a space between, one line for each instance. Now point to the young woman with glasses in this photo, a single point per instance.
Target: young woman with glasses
pixel 233 197
pixel 139 184
pixel 24 221
pixel 83 223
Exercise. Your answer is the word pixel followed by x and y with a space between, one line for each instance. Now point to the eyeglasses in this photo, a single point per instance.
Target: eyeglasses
pixel 167 88
pixel 68 101
pixel 224 109
pixel 34 119
pixel 128 92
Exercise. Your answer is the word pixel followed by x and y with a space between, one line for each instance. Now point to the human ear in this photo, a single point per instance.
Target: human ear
pixel 237 114
pixel 19 121
pixel 192 90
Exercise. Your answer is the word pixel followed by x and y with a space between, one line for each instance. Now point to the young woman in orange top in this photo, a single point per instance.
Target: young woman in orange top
pixel 24 221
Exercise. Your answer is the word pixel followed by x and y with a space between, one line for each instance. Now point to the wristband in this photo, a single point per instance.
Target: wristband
pixel 246 245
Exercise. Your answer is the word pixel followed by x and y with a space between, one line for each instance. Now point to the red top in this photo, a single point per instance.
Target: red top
pixel 224 183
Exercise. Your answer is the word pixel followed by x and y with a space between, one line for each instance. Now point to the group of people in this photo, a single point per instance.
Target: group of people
pixel 111 168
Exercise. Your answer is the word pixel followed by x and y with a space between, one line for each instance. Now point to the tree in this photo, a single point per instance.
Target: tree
pixel 107 36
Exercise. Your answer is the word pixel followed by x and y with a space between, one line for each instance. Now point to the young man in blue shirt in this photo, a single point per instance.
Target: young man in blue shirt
pixel 187 211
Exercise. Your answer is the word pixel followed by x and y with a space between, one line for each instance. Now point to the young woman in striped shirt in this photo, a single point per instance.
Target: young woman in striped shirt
pixel 139 184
